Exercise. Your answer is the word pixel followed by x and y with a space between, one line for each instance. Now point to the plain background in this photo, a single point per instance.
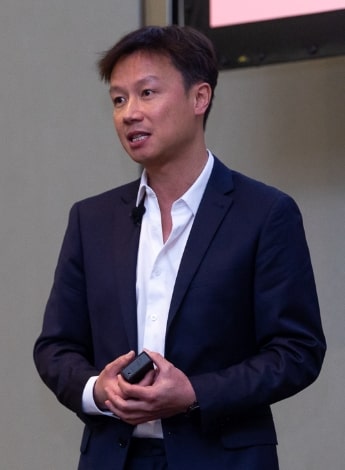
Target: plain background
pixel 283 124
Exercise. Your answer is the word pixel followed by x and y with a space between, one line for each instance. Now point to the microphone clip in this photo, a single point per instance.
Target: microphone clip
pixel 137 214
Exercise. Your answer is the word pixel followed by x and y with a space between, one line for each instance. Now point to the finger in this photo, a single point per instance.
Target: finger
pixel 148 379
pixel 126 409
pixel 127 389
pixel 113 409
pixel 123 360
pixel 138 392
pixel 114 367
pixel 159 361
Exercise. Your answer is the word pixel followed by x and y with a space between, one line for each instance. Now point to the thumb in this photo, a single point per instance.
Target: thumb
pixel 157 358
pixel 122 361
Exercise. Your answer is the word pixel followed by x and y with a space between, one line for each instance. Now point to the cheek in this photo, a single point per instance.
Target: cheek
pixel 115 120
pixel 170 117
pixel 117 126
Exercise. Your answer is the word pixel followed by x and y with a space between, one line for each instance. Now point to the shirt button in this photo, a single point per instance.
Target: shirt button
pixel 153 317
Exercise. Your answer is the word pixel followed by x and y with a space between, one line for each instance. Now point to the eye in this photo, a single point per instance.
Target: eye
pixel 118 101
pixel 147 92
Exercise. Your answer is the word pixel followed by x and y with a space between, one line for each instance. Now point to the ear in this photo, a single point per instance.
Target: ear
pixel 203 94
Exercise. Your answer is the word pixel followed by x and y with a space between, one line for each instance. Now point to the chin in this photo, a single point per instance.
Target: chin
pixel 142 159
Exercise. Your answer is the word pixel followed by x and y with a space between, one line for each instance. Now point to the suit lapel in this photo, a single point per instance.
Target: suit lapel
pixel 125 261
pixel 214 206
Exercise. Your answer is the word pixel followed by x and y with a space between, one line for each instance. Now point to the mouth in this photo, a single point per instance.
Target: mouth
pixel 135 137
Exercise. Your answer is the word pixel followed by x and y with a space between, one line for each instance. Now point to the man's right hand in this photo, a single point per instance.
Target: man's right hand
pixel 106 385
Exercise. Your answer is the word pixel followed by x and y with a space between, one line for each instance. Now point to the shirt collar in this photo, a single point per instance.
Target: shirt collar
pixel 193 195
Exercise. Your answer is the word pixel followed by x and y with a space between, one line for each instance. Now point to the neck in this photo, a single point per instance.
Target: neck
pixel 171 181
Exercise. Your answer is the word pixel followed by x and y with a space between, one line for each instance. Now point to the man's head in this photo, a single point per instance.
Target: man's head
pixel 190 52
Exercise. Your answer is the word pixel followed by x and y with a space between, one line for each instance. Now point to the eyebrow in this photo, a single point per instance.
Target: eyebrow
pixel 142 81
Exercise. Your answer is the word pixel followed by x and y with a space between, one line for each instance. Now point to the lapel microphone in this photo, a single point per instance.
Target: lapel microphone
pixel 137 213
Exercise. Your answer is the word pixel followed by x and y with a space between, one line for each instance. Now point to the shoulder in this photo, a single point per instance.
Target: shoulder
pixel 246 190
pixel 103 208
pixel 124 194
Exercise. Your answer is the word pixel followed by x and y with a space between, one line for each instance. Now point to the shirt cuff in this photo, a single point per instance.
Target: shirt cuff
pixel 88 402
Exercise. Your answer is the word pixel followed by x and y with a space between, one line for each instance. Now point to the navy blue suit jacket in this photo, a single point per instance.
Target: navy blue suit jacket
pixel 243 325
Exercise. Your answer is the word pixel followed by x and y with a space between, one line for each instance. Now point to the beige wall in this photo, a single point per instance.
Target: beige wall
pixel 283 124
pixel 156 12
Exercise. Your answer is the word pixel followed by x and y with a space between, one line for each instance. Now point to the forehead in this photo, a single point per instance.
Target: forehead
pixel 142 63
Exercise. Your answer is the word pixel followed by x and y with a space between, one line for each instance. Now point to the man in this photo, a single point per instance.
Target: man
pixel 205 269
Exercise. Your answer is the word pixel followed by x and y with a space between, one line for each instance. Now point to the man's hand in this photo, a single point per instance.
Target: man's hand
pixel 162 393
pixel 106 385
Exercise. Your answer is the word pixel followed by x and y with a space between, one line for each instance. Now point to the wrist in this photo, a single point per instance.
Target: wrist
pixel 97 397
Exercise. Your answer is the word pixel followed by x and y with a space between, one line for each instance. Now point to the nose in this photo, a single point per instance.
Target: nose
pixel 132 111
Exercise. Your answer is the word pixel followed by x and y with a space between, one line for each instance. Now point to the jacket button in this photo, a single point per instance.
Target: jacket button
pixel 123 442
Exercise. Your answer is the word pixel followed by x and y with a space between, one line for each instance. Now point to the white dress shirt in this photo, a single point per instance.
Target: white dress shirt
pixel 157 268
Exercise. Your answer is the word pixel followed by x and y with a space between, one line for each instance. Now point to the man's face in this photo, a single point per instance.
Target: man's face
pixel 154 116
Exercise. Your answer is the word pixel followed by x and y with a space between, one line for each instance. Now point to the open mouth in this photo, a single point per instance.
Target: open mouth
pixel 138 137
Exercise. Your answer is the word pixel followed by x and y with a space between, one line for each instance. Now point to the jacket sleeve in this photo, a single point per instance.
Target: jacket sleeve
pixel 63 353
pixel 289 341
